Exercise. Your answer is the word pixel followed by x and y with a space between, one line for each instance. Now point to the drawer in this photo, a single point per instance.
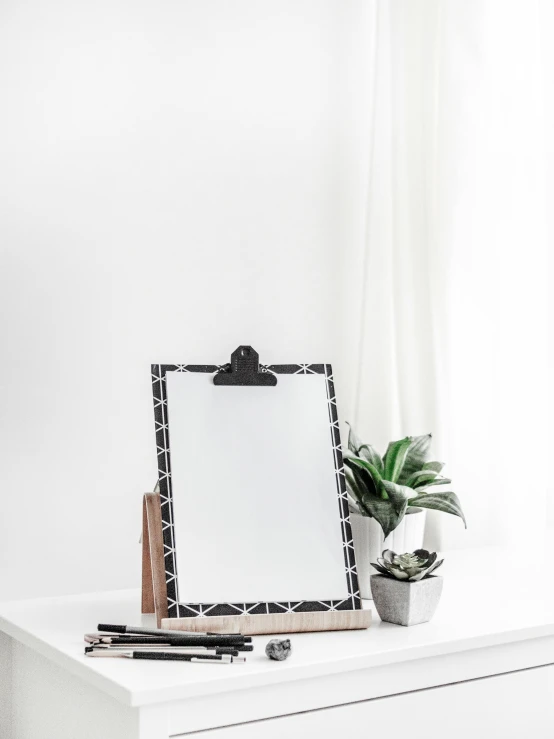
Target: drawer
pixel 513 706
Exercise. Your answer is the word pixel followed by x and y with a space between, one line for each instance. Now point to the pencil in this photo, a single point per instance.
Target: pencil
pixel 188 638
pixel 181 656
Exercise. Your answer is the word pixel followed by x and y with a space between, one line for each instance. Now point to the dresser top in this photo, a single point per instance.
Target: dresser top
pixel 477 610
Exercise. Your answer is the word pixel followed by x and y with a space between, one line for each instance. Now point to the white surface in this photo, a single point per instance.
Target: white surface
pixel 256 512
pixel 73 698
pixel 511 706
pixel 177 177
pixel 477 613
pixel 85 713
pixel 6 684
pixel 484 626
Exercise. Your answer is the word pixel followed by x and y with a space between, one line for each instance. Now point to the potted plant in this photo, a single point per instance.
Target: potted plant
pixel 388 497
pixel 405 592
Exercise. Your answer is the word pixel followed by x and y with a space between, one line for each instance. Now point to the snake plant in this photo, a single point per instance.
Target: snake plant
pixel 412 566
pixel 387 488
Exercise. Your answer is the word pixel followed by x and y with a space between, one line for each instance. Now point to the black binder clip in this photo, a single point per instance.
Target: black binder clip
pixel 244 369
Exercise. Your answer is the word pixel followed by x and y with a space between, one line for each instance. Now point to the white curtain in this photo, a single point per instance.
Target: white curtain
pixel 454 330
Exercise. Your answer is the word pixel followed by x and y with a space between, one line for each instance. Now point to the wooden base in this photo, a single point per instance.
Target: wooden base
pixel 274 623
pixel 154 596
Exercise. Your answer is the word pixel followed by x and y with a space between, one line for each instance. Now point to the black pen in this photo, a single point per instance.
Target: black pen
pixel 142 639
pixel 182 656
pixel 138 640
pixel 188 638
pixel 126 639
pixel 121 629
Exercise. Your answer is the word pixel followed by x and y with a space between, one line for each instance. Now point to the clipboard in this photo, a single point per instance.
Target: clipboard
pixel 181 578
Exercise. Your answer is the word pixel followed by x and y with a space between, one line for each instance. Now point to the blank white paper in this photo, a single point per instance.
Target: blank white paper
pixel 256 511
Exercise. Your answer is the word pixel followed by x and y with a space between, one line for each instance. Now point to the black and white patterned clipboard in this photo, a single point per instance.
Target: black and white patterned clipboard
pixel 177 608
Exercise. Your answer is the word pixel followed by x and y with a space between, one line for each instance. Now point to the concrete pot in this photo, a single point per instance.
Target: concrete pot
pixel 406 603
pixel 369 542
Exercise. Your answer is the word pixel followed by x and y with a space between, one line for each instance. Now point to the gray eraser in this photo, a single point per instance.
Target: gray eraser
pixel 278 649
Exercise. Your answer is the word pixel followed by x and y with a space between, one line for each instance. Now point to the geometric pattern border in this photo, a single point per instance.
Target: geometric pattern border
pixel 177 609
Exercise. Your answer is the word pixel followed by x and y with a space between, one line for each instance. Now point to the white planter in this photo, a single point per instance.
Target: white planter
pixel 369 542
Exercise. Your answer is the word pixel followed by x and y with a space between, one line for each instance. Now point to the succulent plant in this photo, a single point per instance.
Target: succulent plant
pixel 410 566
pixel 387 488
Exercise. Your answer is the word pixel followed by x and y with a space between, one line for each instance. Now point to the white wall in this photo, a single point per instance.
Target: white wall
pixel 177 177
pixel 547 27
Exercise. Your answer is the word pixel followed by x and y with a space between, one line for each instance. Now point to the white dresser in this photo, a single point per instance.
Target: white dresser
pixel 483 667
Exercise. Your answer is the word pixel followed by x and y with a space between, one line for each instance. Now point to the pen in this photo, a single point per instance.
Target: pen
pixel 160 648
pixel 188 638
pixel 141 639
pixel 138 644
pixel 182 656
pixel 125 638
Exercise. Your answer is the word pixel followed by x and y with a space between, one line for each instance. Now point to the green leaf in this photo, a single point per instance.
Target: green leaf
pixel 415 458
pixel 435 466
pixel 421 478
pixel 380 568
pixel 353 442
pixel 351 484
pixel 381 499
pixel 367 452
pixel 434 567
pixel 399 574
pixel 446 502
pixel 398 494
pixel 373 471
pixel 430 557
pixel 386 515
pixel 426 478
pixel 362 477
pixel 355 490
pixel 365 482
pixel 437 481
pixel 395 457
pixel 428 571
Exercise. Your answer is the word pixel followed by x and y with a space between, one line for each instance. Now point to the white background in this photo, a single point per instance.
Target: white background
pixel 456 320
pixel 177 178
pixel 547 50
pixel 180 177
